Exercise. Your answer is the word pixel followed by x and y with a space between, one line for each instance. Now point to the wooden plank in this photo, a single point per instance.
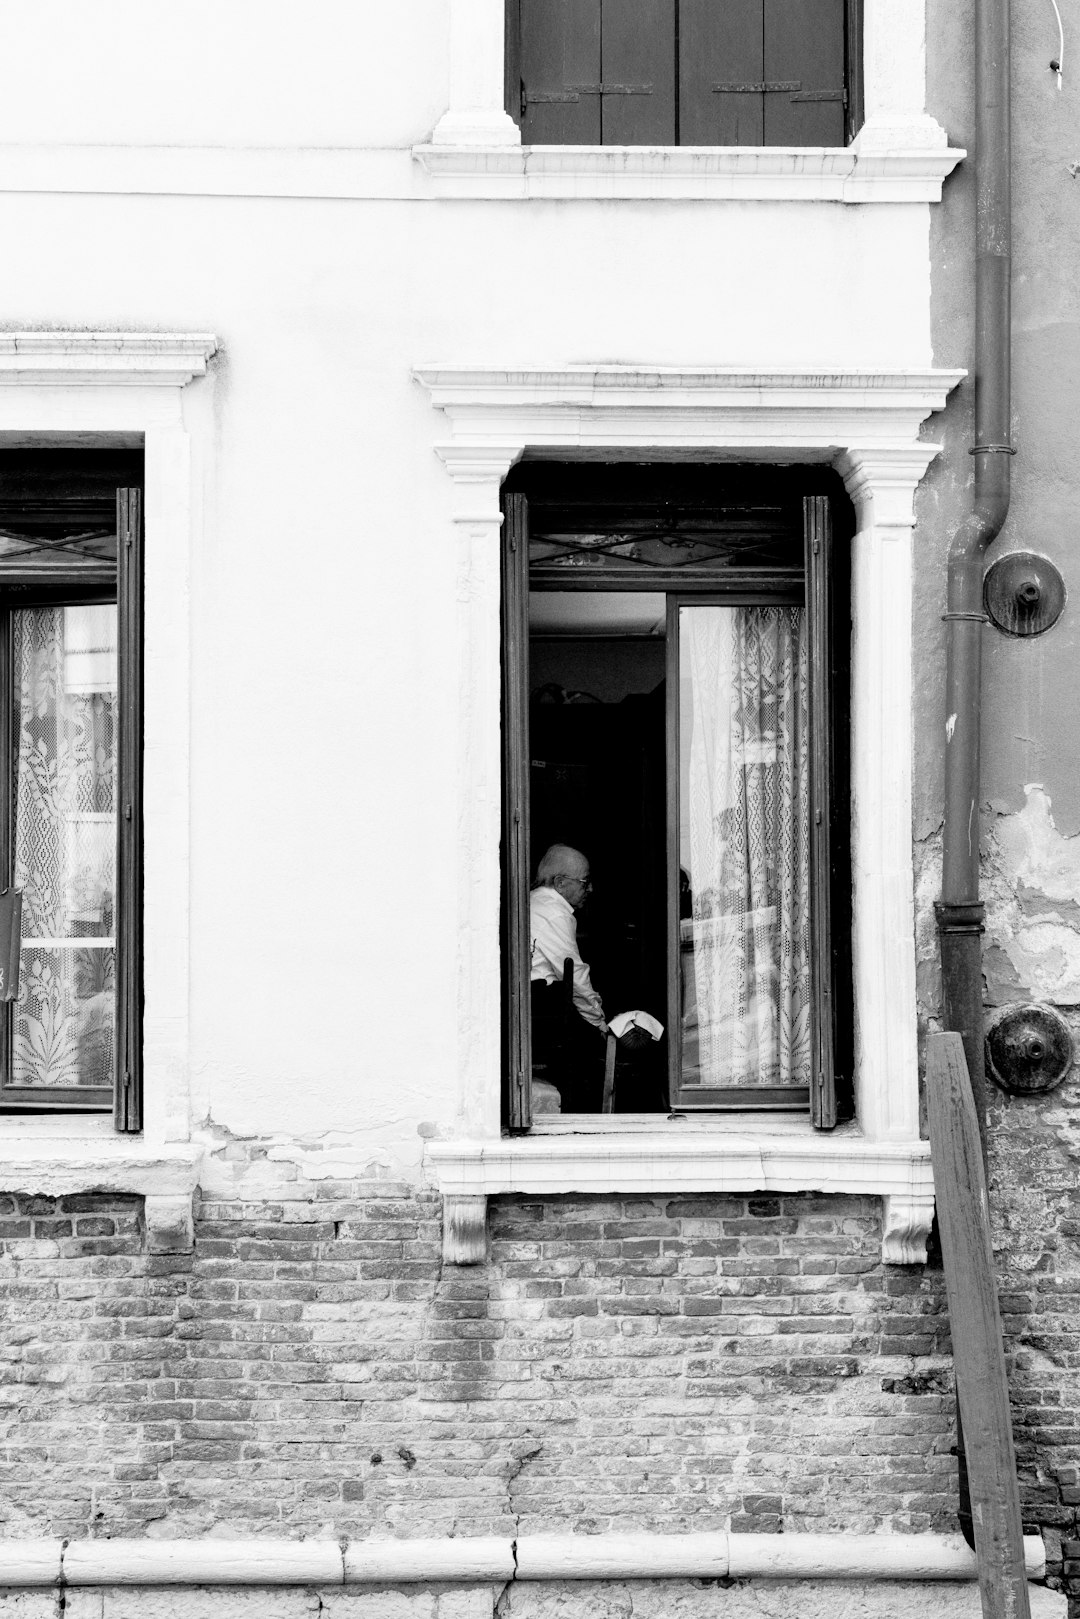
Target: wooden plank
pixel 804 43
pixel 818 532
pixel 128 1100
pixel 560 50
pixel 978 1358
pixel 608 1105
pixel 720 44
pixel 516 849
pixel 637 60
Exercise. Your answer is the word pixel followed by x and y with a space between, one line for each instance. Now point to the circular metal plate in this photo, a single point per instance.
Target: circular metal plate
pixel 1023 593
pixel 1029 1050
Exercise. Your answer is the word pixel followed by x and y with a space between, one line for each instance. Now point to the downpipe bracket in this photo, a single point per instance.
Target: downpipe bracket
pixel 960 916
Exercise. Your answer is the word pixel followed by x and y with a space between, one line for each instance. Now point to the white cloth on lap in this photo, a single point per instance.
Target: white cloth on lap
pixel 635 1020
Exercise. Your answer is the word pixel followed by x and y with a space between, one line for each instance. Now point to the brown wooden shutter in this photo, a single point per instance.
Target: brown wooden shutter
pixel 721 69
pixel 637 86
pixel 515 861
pixel 559 92
pixel 127 1106
pixel 817 527
pixel 853 67
pixel 804 46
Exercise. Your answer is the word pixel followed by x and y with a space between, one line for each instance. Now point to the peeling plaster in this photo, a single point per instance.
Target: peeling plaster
pixel 266 1166
pixel 1041 857
pixel 1032 892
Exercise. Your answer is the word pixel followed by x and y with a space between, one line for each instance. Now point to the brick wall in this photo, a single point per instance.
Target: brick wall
pixel 1035 1203
pixel 671 1364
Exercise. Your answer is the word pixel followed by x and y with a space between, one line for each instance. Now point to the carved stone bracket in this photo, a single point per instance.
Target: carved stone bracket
pixel 905 1228
pixel 169 1225
pixel 464 1230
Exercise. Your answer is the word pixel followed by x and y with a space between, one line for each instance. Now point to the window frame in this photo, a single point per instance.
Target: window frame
pixel 867 425
pixel 854 109
pixel 831 985
pixel 23 588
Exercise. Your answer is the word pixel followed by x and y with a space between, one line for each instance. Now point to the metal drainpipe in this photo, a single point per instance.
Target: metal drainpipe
pixel 960 911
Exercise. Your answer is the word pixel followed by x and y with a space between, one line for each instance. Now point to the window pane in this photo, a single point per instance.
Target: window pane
pixel 65 843
pixel 743 847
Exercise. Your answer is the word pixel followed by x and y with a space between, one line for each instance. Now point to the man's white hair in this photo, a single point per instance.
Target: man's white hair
pixel 559 861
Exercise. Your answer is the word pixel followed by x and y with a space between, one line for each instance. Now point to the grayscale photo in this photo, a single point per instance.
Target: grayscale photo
pixel 540 809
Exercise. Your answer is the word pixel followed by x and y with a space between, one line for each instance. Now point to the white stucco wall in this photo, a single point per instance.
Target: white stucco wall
pixel 324 718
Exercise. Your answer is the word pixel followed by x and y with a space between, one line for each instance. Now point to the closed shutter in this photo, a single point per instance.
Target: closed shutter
pixel 686 72
pixel 128 1101
pixel 818 543
pixel 516 946
pixel 560 68
pixel 637 84
pixel 804 48
pixel 765 72
pixel 721 66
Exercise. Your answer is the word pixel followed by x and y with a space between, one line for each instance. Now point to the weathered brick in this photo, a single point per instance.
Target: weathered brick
pixel 653 1351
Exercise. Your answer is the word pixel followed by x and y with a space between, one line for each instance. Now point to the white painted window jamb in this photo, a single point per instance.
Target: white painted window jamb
pixel 867 425
pixel 115 388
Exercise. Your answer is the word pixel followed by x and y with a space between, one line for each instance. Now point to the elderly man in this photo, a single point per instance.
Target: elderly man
pixel 562 885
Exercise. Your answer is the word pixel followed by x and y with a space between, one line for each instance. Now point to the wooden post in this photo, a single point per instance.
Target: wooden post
pixel 978 1357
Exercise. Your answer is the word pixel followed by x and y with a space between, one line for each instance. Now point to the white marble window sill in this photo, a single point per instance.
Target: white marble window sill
pixel 900 171
pixel 732 1153
pixel 69 1155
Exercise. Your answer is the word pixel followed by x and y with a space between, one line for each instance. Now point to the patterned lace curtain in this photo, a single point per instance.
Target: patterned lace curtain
pixel 746 784
pixel 65 843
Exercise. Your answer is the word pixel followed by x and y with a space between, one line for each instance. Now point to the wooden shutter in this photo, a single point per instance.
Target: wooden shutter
pixel 804 46
pixel 127 1106
pixel 721 69
pixel 515 850
pixel 817 527
pixel 559 90
pixel 637 61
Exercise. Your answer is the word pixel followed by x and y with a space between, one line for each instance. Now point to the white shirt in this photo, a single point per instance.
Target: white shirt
pixel 554 937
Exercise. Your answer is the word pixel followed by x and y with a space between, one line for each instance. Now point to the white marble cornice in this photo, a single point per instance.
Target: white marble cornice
pixel 812 415
pixel 94 359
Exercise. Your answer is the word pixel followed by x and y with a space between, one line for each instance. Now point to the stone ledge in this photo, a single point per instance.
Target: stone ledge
pixel 898 171
pixel 62 1167
pixel 267 1562
pixel 164 1177
pixel 665 1162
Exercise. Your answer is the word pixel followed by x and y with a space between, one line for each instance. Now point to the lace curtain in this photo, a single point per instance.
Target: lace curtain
pixel 65 843
pixel 745 834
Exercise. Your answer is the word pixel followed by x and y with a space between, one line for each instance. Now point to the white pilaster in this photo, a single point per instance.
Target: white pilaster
pixel 882 483
pixel 476 116
pixel 477 481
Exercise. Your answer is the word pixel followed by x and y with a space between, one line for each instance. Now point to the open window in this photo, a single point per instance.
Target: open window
pixel 70 771
pixel 675 691
pixel 684 72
